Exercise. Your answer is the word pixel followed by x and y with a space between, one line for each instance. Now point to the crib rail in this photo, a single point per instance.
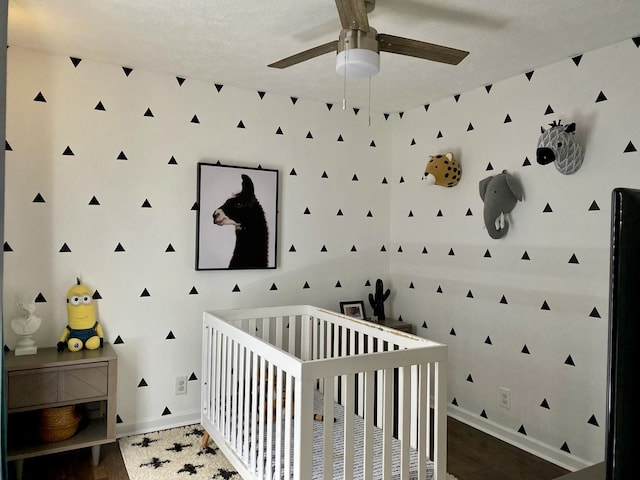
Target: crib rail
pixel 261 368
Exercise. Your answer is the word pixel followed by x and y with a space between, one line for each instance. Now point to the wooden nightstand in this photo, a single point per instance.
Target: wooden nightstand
pixel 397 324
pixel 50 378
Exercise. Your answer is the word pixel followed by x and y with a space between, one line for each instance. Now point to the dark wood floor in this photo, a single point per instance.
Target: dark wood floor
pixel 472 455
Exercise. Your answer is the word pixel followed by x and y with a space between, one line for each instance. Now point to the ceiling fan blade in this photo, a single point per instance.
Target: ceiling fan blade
pixel 306 55
pixel 416 48
pixel 353 14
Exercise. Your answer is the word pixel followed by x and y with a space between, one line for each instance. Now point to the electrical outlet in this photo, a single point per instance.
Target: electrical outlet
pixel 505 397
pixel 180 387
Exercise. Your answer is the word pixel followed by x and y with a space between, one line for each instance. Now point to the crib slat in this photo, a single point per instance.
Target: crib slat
pixel 327 436
pixel 337 332
pixel 254 421
pixel 266 329
pixel 268 418
pixel 291 347
pixel 227 387
pixel 262 414
pixel 415 405
pixel 360 381
pixel 430 425
pixel 367 468
pixel 387 428
pixel 440 447
pixel 234 394
pixel 246 418
pixel 288 409
pixel 423 424
pixel 346 333
pixel 404 400
pixel 216 379
pixel 278 425
pixel 349 405
pixel 303 428
pixel 207 349
pixel 223 382
pixel 307 338
pixel 279 331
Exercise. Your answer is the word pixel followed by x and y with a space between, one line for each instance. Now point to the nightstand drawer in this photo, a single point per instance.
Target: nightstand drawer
pixel 29 388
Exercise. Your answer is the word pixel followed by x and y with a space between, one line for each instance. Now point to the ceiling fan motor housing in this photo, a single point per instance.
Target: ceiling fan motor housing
pixel 358 53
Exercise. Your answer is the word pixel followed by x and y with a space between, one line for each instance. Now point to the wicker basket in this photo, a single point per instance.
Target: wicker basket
pixel 58 423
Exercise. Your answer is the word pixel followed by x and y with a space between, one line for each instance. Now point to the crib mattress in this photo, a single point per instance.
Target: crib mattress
pixel 358 448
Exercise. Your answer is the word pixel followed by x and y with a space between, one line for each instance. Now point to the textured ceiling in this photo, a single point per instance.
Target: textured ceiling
pixel 232 41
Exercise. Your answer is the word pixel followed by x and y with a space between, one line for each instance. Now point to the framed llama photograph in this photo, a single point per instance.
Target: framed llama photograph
pixel 237 217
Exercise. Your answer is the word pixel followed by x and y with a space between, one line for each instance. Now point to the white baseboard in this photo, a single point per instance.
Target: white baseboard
pixel 535 447
pixel 156 424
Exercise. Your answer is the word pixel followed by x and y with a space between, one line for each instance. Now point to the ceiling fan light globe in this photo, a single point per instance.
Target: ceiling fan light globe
pixel 357 63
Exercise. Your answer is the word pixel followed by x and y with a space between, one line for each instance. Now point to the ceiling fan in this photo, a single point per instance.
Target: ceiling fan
pixel 359 45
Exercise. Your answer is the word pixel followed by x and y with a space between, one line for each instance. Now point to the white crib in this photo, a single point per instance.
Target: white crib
pixel 269 374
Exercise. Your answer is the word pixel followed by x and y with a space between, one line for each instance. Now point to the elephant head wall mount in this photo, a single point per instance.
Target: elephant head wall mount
pixel 500 194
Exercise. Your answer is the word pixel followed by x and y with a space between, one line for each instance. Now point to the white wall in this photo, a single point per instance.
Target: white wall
pixel 39 132
pixel 558 409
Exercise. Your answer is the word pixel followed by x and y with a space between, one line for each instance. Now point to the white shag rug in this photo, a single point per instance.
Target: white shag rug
pixel 174 454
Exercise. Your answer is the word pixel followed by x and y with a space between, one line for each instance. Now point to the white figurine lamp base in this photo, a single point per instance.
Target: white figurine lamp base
pixel 26 346
pixel 24 327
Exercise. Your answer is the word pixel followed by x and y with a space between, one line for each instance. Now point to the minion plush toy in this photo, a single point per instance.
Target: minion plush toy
pixel 83 329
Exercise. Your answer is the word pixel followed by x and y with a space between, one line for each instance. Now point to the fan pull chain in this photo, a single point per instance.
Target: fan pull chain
pixel 344 79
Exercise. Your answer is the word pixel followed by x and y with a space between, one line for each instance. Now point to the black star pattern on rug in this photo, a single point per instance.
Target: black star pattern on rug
pixel 146 441
pixel 208 451
pixel 177 447
pixel 198 432
pixel 155 463
pixel 225 474
pixel 190 469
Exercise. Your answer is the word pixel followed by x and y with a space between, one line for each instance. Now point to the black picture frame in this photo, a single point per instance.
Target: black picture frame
pixel 236 224
pixel 353 308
